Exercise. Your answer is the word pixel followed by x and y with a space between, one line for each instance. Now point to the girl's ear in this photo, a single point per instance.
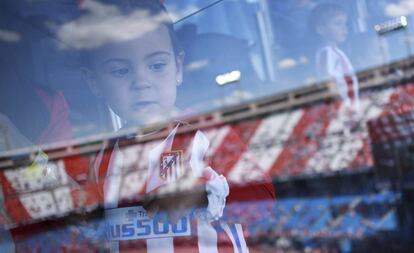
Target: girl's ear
pixel 90 78
pixel 179 58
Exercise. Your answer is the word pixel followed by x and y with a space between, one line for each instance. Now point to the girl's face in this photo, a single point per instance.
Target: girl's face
pixel 335 30
pixel 138 78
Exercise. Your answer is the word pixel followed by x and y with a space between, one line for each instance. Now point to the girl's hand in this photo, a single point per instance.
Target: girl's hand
pixel 173 205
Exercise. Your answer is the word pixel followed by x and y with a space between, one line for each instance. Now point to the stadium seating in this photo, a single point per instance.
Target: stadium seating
pixel 337 217
pixel 352 217
pixel 319 138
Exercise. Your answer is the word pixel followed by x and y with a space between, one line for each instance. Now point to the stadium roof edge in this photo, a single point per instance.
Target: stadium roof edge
pixel 388 75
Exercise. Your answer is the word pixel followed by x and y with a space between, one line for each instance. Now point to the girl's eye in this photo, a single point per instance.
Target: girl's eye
pixel 158 67
pixel 120 72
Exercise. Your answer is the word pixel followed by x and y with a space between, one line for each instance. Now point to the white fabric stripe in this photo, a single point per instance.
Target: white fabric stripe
pixel 160 245
pixel 215 137
pixel 113 179
pixel 207 237
pixel 198 151
pixel 227 229
pixel 114 246
pixel 143 164
pixel 134 180
pixel 243 243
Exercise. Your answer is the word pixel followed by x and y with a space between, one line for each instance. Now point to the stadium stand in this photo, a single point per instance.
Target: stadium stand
pixel 301 219
pixel 392 138
pixel 305 141
pixel 353 216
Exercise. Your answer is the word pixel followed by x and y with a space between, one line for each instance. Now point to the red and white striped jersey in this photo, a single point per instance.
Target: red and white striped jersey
pixel 151 236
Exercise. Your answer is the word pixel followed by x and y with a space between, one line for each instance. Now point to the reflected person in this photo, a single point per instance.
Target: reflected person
pixel 329 23
pixel 138 78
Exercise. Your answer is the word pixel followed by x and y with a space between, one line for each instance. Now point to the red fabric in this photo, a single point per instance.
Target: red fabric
pixel 349 86
pixel 251 192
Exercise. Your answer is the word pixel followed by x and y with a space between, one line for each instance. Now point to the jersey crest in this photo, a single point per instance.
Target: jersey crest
pixel 171 165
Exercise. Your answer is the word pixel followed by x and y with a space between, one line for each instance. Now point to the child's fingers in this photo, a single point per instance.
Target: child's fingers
pixel 175 215
pixel 152 207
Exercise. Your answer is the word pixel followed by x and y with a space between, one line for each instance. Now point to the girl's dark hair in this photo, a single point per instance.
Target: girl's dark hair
pixel 322 13
pixel 154 8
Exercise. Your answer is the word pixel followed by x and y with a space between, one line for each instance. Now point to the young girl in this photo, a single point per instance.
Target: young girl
pixel 138 77
pixel 132 61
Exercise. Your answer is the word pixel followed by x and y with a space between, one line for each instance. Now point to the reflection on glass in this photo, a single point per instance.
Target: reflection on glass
pixel 72 69
pixel 213 59
pixel 329 22
pixel 137 77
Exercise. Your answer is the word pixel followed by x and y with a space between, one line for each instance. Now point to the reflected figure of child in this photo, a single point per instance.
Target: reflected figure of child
pixel 329 23
pixel 137 78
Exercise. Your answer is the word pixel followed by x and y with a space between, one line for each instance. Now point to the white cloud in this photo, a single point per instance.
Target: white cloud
pixel 403 8
pixel 235 97
pixel 196 65
pixel 105 23
pixel 287 63
pixel 9 36
pixel 303 60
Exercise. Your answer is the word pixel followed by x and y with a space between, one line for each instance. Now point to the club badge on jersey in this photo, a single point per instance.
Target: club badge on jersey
pixel 131 223
pixel 171 165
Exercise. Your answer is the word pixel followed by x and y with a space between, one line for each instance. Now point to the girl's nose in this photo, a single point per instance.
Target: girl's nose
pixel 140 79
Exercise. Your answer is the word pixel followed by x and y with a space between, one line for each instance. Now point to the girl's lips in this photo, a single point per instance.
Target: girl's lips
pixel 143 104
